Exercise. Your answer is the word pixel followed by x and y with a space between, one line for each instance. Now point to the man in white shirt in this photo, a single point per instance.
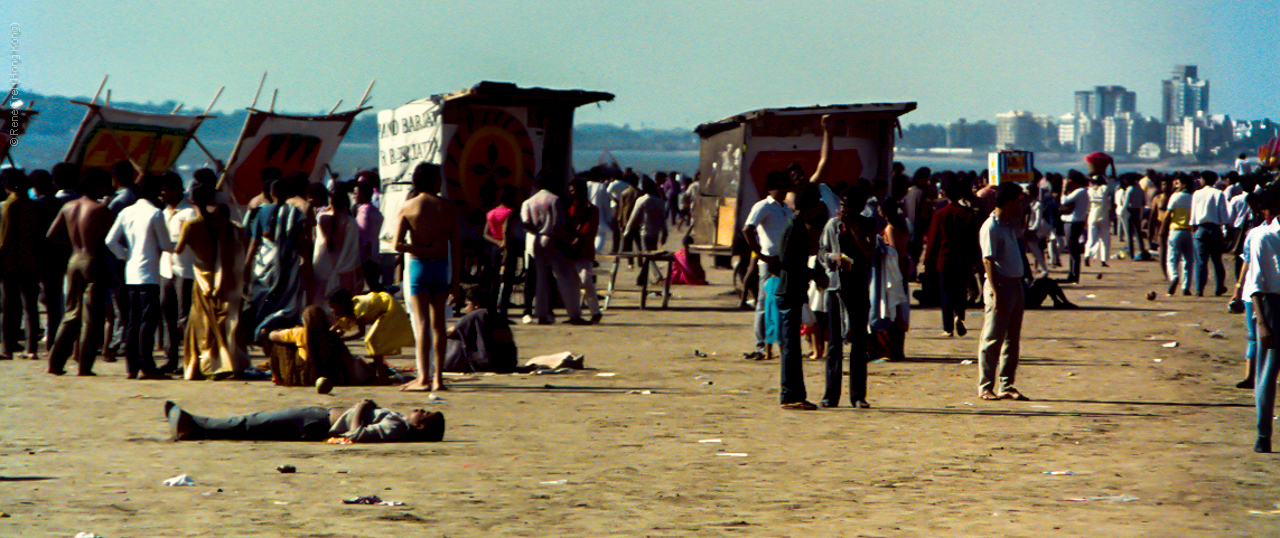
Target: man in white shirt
pixel 1075 205
pixel 598 192
pixel 763 232
pixel 139 236
pixel 1261 286
pixel 542 216
pixel 615 188
pixel 177 271
pixel 1208 217
pixel 1003 296
pixel 1240 216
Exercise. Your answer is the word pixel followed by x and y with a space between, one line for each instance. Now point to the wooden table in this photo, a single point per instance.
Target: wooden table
pixel 645 258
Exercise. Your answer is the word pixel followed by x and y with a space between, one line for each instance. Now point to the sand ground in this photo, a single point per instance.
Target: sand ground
pixel 628 454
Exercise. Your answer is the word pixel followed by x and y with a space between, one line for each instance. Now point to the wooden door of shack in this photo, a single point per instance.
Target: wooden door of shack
pixel 738 151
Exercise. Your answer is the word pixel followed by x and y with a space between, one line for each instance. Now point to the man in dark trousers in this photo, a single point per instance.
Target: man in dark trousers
pixel 799 242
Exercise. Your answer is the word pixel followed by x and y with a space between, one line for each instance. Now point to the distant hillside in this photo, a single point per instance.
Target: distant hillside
pixel 59 119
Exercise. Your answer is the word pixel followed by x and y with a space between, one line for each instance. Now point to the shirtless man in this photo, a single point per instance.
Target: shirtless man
pixel 427 234
pixel 83 223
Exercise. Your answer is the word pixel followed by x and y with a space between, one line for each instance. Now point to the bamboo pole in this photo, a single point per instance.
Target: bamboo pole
pixel 274 93
pixel 259 92
pixel 9 96
pixel 217 164
pixel 177 108
pixel 335 107
pixel 100 86
pixel 108 102
pixel 215 100
pixel 365 97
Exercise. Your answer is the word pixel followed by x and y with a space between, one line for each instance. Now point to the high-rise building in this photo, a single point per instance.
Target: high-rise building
pixel 1105 102
pixel 1018 129
pixel 1183 95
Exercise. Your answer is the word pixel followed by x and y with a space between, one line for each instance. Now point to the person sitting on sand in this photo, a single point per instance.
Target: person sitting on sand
pixel 301 355
pixel 481 341
pixel 388 325
pixel 363 422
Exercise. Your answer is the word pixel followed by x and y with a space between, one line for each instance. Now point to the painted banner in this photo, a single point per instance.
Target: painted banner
pixel 152 142
pixel 490 147
pixel 408 136
pixel 15 123
pixel 292 144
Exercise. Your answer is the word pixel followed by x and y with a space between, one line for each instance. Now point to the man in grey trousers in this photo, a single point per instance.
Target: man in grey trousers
pixel 1003 262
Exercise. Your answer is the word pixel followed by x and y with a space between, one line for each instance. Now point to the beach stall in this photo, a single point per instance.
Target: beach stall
pixel 738 151
pixel 1012 166
pixel 483 137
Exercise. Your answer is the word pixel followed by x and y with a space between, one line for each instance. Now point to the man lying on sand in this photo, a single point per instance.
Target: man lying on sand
pixel 363 422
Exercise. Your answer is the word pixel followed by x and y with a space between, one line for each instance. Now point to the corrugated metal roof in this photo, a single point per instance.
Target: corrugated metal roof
pixel 508 93
pixel 890 110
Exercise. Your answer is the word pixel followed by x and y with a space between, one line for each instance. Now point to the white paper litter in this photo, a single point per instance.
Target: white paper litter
pixel 710 440
pixel 1166 314
pixel 1170 344
pixel 180 480
pixel 733 454
pixel 606 374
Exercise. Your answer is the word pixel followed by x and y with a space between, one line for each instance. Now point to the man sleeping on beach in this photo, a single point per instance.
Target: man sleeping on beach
pixel 363 422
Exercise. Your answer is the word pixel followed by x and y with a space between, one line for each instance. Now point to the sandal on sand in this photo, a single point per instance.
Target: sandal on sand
pixel 802 405
pixel 988 395
pixel 1013 394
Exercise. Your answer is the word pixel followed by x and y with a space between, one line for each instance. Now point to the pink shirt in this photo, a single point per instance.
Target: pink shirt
pixel 497 218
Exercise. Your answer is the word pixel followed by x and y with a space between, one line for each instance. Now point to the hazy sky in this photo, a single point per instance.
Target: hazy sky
pixel 671 64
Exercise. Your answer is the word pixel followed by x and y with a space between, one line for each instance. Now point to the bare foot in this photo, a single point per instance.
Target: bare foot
pixel 438 385
pixel 415 386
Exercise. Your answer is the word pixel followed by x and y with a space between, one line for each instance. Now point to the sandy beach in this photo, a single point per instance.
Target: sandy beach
pixel 1125 436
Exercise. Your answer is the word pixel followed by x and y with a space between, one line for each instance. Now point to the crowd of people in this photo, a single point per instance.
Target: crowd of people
pixel 119 259
pixel 834 257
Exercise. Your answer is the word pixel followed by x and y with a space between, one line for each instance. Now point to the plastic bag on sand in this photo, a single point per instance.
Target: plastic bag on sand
pixel 83 534
pixel 555 361
pixel 180 480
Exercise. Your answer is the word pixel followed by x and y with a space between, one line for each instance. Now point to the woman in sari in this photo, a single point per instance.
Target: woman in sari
pixel 211 348
pixel 275 291
pixel 336 262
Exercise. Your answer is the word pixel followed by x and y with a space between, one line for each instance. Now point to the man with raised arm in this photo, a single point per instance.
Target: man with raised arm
pixel 427 234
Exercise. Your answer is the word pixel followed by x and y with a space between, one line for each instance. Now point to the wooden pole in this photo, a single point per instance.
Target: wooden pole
pixel 274 93
pixel 215 100
pixel 14 89
pixel 365 97
pixel 335 107
pixel 217 164
pixel 100 86
pixel 259 92
pixel 177 108
pixel 108 102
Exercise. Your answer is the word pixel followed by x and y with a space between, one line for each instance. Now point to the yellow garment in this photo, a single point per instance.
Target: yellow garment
pixel 289 363
pixel 387 323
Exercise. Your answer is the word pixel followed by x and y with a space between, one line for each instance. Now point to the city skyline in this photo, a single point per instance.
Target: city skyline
pixel 671 64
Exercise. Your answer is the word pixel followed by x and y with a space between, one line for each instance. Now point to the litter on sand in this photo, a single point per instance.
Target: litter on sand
pixel 639 392
pixel 371 500
pixel 1158 360
pixel 966 362
pixel 1091 296
pixel 560 482
pixel 606 374
pixel 83 534
pixel 1170 344
pixel 1122 498
pixel 1218 335
pixel 1059 473
pixel 733 454
pixel 710 440
pixel 180 480
pixel 1166 314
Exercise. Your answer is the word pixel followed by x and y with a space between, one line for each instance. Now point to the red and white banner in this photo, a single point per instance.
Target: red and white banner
pixel 152 142
pixel 291 144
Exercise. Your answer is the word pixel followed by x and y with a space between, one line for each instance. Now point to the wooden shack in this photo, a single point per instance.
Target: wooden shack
pixel 738 151
pixel 483 137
